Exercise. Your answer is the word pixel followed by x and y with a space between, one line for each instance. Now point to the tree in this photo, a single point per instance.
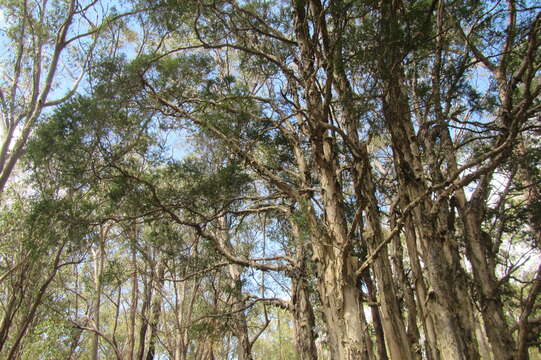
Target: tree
pixel 53 43
pixel 343 160
pixel 312 106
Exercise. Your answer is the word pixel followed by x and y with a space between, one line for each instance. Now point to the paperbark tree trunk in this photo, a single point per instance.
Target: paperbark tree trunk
pixel 412 330
pixel 304 321
pixel 99 258
pixel 446 298
pixel 397 341
pixel 479 249
pixel 432 352
pixel 147 292
pixel 240 325
pixel 156 307
pixel 301 306
pixel 336 267
pixel 337 277
pixel 134 296
pixel 341 307
pixel 391 318
pixel 240 329
pixel 376 318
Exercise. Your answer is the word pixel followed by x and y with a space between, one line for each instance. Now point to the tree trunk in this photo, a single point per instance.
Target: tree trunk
pixel 335 265
pixel 523 324
pixel 181 340
pixel 432 352
pixel 337 277
pixel 156 308
pixel 303 313
pixel 144 319
pixel 478 249
pixel 446 298
pixel 30 315
pixel 303 319
pixel 391 317
pixel 341 306
pixel 244 346
pixel 412 330
pixel 134 296
pixel 240 326
pixel 376 318
pixel 99 257
pixel 394 329
pixel 10 310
